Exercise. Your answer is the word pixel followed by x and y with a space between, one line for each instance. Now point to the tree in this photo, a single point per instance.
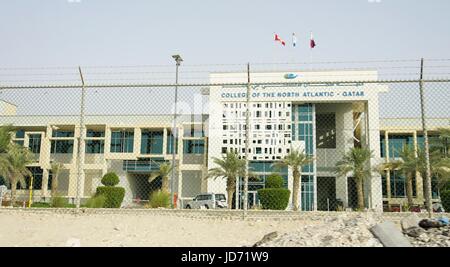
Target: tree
pixel 356 162
pixel 163 172
pixel 229 167
pixel 408 164
pixel 5 137
pixel 295 160
pixel 17 159
pixel 55 168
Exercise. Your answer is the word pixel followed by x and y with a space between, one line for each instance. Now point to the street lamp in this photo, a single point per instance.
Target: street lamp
pixel 178 61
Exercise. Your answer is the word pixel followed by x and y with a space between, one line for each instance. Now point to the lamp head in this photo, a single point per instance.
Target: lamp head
pixel 178 59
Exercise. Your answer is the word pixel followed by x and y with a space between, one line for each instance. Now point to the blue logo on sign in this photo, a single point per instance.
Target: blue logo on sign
pixel 290 76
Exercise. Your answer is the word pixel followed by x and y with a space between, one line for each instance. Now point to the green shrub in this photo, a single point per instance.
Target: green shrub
pixel 274 198
pixel 40 205
pixel 96 202
pixel 59 202
pixel 445 198
pixel 113 195
pixel 159 199
pixel 110 179
pixel 274 181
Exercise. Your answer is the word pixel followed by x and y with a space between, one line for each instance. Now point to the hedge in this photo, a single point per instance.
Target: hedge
pixel 445 198
pixel 110 179
pixel 274 181
pixel 274 198
pixel 114 195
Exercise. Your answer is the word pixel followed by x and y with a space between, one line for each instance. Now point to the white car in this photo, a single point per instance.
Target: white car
pixel 208 201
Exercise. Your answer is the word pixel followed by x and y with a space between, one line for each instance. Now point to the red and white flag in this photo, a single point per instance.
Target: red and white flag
pixel 278 39
pixel 312 43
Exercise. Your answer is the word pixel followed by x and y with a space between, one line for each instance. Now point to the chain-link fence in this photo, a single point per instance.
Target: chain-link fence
pixel 247 137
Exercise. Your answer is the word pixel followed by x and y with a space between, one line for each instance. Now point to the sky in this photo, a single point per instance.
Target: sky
pixel 90 33
pixel 141 32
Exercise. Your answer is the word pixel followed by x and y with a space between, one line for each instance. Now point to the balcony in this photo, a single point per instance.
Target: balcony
pixel 145 166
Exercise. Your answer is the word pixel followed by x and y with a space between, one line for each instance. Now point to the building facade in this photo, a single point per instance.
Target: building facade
pixel 315 112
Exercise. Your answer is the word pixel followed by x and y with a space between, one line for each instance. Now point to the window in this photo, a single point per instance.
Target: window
pixel 194 130
pixel 225 141
pixel 95 134
pixel 95 146
pixel 258 150
pixel 34 143
pixel 152 142
pixel 36 172
pixel 194 146
pixel 66 134
pixel 326 131
pixel 224 150
pixel 20 134
pixel 170 143
pixel 225 127
pixel 61 146
pixel 122 141
pixel 258 114
pixel 269 127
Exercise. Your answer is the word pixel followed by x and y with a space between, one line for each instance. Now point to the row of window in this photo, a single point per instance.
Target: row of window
pixel 121 142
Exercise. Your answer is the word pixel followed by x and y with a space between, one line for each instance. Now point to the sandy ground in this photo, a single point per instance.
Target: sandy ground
pixel 130 230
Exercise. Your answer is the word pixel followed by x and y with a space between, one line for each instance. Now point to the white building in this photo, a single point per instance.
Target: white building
pixel 325 120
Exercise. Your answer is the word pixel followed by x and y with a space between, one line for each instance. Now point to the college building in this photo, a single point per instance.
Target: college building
pixel 315 112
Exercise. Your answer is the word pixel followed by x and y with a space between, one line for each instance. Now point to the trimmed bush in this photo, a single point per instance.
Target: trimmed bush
pixel 445 198
pixel 110 179
pixel 59 202
pixel 113 196
pixel 40 205
pixel 274 181
pixel 274 198
pixel 96 202
pixel 159 199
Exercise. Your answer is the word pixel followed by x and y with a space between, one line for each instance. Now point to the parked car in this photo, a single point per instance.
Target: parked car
pixel 208 201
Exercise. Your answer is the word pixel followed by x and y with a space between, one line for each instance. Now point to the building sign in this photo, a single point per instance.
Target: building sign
pixel 301 91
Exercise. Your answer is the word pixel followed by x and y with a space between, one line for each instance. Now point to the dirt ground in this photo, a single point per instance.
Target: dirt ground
pixel 21 229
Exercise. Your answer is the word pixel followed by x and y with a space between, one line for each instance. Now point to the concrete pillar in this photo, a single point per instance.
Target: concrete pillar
pixel 344 143
pixel 44 188
pixel 388 173
pixel 420 198
pixel 375 187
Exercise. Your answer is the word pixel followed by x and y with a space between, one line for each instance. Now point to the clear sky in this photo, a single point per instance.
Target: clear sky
pixel 129 32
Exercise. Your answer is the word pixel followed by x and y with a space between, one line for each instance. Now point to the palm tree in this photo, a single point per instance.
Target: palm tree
pixel 56 168
pixel 5 137
pixel 408 164
pixel 163 172
pixel 229 167
pixel 295 160
pixel 17 158
pixel 356 162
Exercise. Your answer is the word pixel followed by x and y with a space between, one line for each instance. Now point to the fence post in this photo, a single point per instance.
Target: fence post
pixel 81 147
pixel 247 140
pixel 428 194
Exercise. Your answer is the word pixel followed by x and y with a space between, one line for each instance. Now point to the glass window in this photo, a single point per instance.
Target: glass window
pixel 95 146
pixel 194 146
pixel 152 142
pixel 92 133
pixel 61 146
pixel 20 134
pixel 37 179
pixel 122 141
pixel 170 142
pixel 35 143
pixel 58 133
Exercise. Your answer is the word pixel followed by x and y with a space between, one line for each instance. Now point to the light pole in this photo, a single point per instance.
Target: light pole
pixel 178 61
